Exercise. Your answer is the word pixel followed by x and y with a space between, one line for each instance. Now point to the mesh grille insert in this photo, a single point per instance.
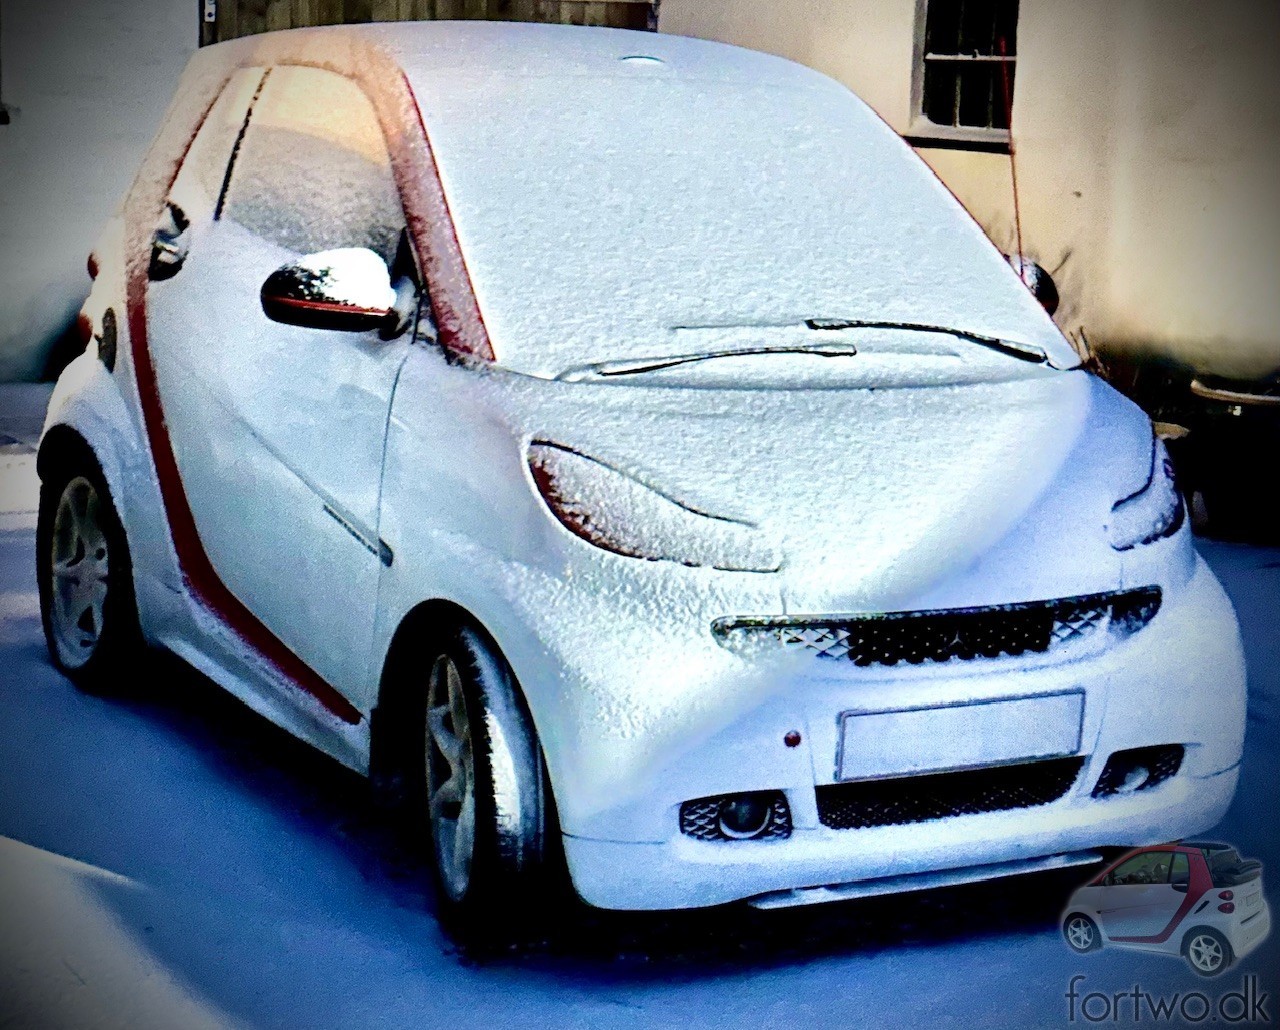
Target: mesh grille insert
pixel 701 818
pixel 1139 768
pixel 918 799
pixel 954 634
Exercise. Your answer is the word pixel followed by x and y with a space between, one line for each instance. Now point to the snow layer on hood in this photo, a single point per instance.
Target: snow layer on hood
pixel 602 203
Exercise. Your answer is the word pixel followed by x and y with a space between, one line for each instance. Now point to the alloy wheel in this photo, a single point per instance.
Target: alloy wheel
pixel 451 777
pixel 1205 953
pixel 1080 933
pixel 80 564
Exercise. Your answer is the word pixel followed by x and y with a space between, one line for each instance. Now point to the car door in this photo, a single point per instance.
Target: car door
pixel 278 430
pixel 1139 900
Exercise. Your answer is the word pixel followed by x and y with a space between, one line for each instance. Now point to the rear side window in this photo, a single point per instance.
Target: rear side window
pixel 1223 866
pixel 200 183
pixel 312 172
pixel 1180 870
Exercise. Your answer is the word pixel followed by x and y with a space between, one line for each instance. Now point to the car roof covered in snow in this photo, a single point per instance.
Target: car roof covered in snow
pixel 612 190
pixel 531 50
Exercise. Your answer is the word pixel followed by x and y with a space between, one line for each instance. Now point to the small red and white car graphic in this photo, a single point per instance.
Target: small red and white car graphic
pixel 1197 899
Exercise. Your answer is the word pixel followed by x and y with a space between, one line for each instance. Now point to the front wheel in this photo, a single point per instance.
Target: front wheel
pixel 483 791
pixel 85 576
pixel 1081 933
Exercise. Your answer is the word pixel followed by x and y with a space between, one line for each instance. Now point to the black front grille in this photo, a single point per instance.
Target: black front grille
pixel 959 633
pixel 918 799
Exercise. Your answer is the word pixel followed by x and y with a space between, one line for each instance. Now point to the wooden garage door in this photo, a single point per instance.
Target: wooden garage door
pixel 228 19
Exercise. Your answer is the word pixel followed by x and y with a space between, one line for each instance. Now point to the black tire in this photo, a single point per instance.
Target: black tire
pixel 1207 951
pixel 515 864
pixel 1224 511
pixel 1081 933
pixel 104 651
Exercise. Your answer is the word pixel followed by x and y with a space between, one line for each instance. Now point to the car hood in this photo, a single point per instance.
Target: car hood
pixel 879 499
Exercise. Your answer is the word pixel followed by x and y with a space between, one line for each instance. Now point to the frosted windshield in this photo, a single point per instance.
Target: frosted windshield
pixel 598 216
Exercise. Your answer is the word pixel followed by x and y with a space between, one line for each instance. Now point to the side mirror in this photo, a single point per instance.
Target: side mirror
pixel 1037 280
pixel 348 290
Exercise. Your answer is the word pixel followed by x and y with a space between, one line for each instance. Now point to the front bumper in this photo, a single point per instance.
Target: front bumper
pixel 684 873
pixel 1178 681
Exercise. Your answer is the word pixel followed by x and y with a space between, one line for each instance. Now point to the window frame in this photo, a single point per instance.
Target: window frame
pixel 1134 860
pixel 921 130
pixel 243 155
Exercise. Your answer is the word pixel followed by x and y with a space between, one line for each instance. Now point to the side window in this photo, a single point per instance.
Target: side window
pixel 1180 869
pixel 1151 867
pixel 202 178
pixel 312 172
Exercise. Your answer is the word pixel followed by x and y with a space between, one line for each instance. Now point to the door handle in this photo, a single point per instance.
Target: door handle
pixel 169 243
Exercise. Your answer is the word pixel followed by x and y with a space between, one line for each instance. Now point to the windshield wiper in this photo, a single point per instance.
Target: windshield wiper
pixel 637 366
pixel 1025 351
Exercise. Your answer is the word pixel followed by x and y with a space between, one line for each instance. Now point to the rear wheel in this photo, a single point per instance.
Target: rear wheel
pixel 479 785
pixel 85 576
pixel 1207 951
pixel 1225 510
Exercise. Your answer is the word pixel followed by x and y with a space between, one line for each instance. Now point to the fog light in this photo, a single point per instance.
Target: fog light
pixel 1139 768
pixel 745 815
pixel 759 815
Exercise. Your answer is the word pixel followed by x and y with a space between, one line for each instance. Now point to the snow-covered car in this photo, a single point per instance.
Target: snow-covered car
pixel 625 449
pixel 1196 899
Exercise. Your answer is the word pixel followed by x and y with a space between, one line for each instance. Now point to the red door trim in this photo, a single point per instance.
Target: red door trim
pixel 202 580
pixel 454 305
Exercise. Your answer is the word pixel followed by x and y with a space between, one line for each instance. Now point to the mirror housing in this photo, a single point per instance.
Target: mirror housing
pixel 348 290
pixel 1037 280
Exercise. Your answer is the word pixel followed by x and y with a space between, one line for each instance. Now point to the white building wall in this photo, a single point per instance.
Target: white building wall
pixel 1148 140
pixel 86 82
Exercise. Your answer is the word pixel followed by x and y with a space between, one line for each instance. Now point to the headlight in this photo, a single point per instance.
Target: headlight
pixel 1154 512
pixel 613 511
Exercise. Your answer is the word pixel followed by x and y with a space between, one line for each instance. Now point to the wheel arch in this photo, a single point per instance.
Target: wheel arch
pixel 388 726
pixel 1099 938
pixel 1191 931
pixel 62 444
pixel 89 417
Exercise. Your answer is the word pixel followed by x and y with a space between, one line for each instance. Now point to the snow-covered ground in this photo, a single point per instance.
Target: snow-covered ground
pixel 169 860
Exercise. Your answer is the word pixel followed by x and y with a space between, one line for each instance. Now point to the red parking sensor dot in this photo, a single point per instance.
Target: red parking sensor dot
pixel 792 739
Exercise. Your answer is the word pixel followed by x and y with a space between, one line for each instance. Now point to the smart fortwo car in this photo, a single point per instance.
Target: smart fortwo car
pixel 625 450
pixel 1195 899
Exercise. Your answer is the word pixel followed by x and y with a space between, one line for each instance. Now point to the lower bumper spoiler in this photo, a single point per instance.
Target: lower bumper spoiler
pixel 921 881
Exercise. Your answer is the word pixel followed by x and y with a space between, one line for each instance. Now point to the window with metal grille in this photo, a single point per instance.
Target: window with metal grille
pixel 965 69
